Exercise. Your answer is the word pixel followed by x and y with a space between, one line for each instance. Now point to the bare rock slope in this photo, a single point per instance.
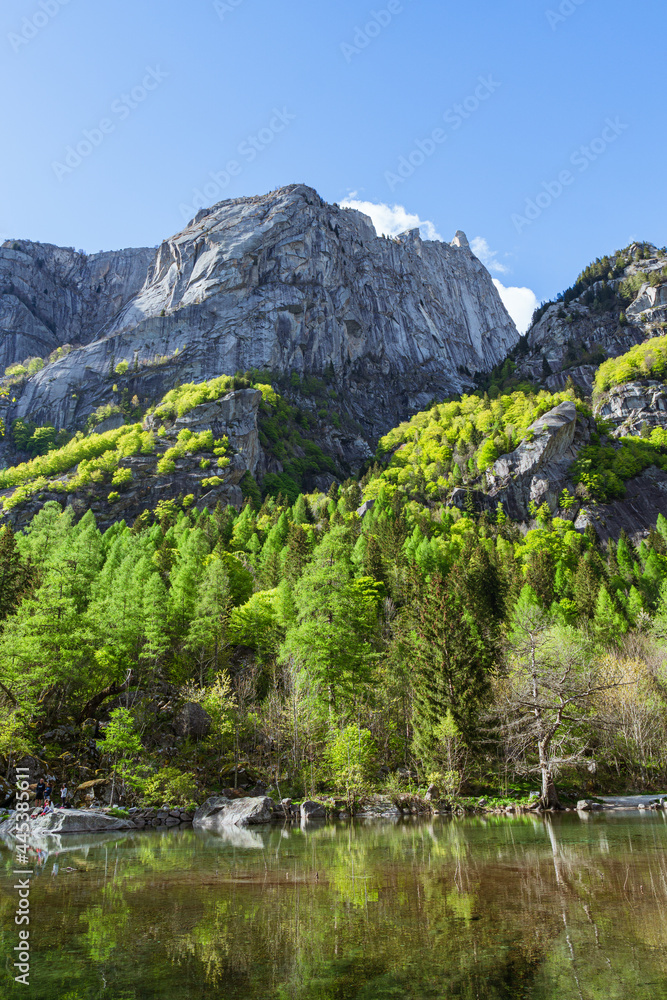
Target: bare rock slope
pixel 282 282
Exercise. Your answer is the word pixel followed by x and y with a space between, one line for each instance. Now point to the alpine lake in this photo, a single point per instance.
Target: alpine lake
pixel 528 906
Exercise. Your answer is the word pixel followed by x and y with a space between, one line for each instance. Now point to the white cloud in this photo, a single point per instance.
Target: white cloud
pixel 488 257
pixel 520 303
pixel 391 220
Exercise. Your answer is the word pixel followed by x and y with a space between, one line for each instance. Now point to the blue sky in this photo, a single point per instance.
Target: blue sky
pixel 538 128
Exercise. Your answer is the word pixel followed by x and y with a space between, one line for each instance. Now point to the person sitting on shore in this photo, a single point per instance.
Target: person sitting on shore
pixel 48 808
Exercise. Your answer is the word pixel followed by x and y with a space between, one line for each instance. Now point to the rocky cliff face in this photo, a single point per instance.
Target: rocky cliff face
pixel 537 470
pixel 634 407
pixel 573 338
pixel 282 282
pixel 50 296
pixel 233 416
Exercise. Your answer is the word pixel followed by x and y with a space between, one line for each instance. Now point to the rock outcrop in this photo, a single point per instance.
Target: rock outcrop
pixel 50 296
pixel 233 415
pixel 633 407
pixel 571 340
pixel 68 821
pixel 219 811
pixel 636 514
pixel 537 470
pixel 192 721
pixel 282 282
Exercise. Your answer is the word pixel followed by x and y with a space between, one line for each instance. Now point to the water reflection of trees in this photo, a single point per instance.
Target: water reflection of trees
pixel 483 907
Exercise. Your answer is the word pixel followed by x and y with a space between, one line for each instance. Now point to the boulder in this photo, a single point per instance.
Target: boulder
pixel 193 721
pixel 88 790
pixel 536 471
pixel 220 811
pixel 588 805
pixel 69 821
pixel 312 810
pixel 244 779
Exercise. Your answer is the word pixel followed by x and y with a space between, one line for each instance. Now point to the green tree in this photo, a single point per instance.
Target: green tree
pixel 123 745
pixel 351 754
pixel 207 635
pixel 335 635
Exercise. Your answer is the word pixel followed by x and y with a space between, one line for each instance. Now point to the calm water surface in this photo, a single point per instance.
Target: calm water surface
pixel 520 907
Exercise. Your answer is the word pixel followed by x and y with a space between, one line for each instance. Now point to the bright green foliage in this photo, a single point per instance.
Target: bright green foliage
pixel 647 360
pixel 97 457
pixel 123 745
pixel 188 442
pixel 350 753
pixel 13 742
pixel 307 619
pixel 603 469
pixel 255 623
pixel 168 785
pixel 181 400
pixel 334 634
pixel 457 440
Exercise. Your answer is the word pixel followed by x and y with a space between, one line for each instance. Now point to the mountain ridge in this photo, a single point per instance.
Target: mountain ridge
pixel 279 282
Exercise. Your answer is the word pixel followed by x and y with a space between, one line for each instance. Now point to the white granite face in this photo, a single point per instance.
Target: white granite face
pixel 283 282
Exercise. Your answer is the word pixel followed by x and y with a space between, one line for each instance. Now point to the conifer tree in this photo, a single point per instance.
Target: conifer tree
pixel 333 638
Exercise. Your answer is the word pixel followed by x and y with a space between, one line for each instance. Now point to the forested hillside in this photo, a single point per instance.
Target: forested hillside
pixel 335 647
pixel 194 596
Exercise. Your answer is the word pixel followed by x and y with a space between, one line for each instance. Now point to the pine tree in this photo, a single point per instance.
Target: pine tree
pixel 301 512
pixel 244 527
pixel 373 564
pixel 454 642
pixel 586 586
pixel 608 622
pixel 206 637
pixel 297 553
pixel 186 575
pixel 540 576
